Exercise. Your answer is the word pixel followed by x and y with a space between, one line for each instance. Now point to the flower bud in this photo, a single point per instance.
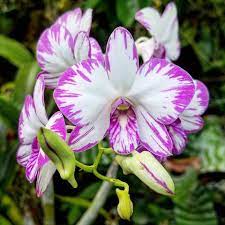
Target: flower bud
pixel 60 153
pixel 148 169
pixel 125 206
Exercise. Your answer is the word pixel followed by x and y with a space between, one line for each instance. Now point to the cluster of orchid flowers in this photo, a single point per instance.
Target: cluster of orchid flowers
pixel 146 111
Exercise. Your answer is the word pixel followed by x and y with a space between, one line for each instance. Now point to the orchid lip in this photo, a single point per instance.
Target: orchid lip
pixel 121 104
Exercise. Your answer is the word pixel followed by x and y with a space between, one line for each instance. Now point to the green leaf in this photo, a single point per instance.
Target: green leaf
pixel 74 213
pixel 11 209
pixel 13 51
pixel 24 81
pixel 193 202
pixel 4 221
pixel 211 145
pixel 126 10
pixel 3 134
pixel 91 3
pixel 8 166
pixel 185 185
pixel 9 111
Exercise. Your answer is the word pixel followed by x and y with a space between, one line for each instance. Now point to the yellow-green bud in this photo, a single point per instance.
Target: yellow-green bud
pixel 60 153
pixel 149 170
pixel 125 206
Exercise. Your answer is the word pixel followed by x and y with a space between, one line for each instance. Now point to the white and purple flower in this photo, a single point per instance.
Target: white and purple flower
pixel 164 31
pixel 131 105
pixel 190 121
pixel 64 44
pixel 33 116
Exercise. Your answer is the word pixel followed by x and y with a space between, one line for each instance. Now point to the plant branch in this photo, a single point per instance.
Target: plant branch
pixel 93 169
pixel 91 214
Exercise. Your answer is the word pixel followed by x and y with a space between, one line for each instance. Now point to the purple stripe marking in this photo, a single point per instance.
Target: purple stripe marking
pixel 158 181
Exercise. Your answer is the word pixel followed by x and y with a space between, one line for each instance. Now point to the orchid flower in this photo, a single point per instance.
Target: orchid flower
pixel 29 155
pixel 64 44
pixel 164 31
pixel 131 105
pixel 190 121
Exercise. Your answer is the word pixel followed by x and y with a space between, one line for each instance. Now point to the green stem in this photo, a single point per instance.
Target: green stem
pixel 99 156
pixel 86 168
pixel 93 169
pixel 99 200
pixel 114 181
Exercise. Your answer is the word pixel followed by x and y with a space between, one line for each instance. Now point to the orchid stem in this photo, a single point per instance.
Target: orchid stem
pixel 93 169
pixel 86 168
pixel 99 156
pixel 116 182
pixel 99 200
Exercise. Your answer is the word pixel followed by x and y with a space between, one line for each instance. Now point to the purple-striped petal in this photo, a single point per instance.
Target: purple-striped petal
pixel 169 31
pixel 39 103
pixel 178 136
pixel 55 50
pixel 163 89
pixel 23 154
pixel 96 51
pixel 163 28
pixel 191 124
pixel 51 79
pixel 71 21
pixel 84 93
pixel 153 135
pixel 74 22
pixel 44 176
pixel 85 23
pixel 57 124
pixel 82 49
pixel 123 131
pixel 149 18
pixel 33 166
pixel 86 137
pixel 29 123
pixel 199 102
pixel 121 59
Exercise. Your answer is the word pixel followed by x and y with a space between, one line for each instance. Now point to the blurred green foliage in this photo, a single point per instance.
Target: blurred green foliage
pixel 200 193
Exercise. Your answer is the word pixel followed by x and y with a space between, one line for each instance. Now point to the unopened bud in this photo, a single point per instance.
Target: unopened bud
pixel 149 170
pixel 125 206
pixel 60 153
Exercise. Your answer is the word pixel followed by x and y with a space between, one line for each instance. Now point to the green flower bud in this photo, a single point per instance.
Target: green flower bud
pixel 149 170
pixel 60 153
pixel 125 206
